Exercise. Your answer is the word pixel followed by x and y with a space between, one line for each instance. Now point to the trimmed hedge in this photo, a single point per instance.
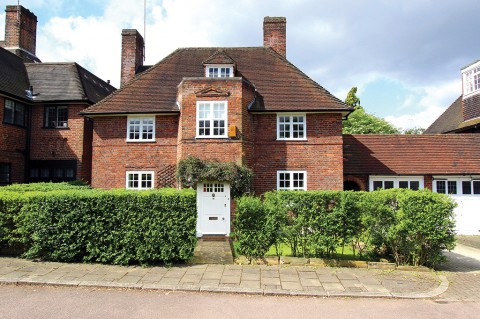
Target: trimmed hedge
pixel 409 227
pixel 117 227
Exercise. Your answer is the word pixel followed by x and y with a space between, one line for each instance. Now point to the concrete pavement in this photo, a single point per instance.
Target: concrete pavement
pixel 262 280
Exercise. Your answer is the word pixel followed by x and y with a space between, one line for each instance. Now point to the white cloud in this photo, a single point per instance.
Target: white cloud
pixel 434 101
pixel 78 39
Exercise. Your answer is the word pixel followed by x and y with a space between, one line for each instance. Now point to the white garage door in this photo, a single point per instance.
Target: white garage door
pixel 466 192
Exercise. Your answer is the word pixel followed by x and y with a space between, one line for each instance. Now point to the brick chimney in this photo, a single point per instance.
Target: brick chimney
pixel 132 54
pixel 21 32
pixel 275 34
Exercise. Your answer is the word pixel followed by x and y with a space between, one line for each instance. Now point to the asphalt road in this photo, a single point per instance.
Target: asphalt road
pixel 63 302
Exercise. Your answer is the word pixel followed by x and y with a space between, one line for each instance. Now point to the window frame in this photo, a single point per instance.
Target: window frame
pixel 291 180
pixel 140 180
pixel 471 80
pixel 14 105
pixel 459 182
pixel 141 126
pixel 211 119
pixel 8 174
pixel 396 181
pixel 208 67
pixel 291 124
pixel 47 120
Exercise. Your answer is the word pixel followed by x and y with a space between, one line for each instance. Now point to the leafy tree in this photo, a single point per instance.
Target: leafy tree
pixel 414 130
pixel 360 122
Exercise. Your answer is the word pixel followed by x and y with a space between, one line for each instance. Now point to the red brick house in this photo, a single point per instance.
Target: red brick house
pixel 253 107
pixel 247 105
pixel 43 137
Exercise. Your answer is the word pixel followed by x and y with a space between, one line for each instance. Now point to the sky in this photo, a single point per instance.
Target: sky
pixel 404 56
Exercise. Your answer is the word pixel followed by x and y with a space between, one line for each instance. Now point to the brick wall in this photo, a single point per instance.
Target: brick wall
pixel 132 54
pixel 21 35
pixel 73 143
pixel 321 155
pixel 275 34
pixel 221 149
pixel 360 180
pixel 113 156
pixel 13 141
pixel 428 182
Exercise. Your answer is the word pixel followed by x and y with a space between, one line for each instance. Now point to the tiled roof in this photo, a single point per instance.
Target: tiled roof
pixel 13 76
pixel 219 57
pixel 66 82
pixel 449 121
pixel 280 85
pixel 412 154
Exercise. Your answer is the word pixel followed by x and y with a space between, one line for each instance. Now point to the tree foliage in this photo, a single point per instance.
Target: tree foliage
pixel 360 122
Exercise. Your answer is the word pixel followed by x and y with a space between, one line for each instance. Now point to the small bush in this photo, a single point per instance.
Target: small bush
pixel 253 231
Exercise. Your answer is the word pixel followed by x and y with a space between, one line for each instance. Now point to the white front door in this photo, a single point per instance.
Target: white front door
pixel 213 202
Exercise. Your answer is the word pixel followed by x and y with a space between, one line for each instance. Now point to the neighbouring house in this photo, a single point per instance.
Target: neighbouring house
pixel 447 164
pixel 43 136
pixel 253 107
pixel 463 116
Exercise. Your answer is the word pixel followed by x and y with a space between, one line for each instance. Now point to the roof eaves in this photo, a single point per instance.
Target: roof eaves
pixel 134 79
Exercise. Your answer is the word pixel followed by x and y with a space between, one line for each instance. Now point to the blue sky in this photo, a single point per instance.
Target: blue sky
pixel 404 56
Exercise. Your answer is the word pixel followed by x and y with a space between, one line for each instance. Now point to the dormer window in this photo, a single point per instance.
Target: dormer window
pixel 471 79
pixel 218 71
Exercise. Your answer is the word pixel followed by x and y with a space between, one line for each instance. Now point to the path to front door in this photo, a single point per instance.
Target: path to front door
pixel 213 203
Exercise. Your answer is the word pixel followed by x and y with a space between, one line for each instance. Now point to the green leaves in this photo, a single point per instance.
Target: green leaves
pixel 409 227
pixel 117 226
pixel 192 170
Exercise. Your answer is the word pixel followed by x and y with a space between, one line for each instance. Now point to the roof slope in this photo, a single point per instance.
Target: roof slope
pixel 66 82
pixel 412 154
pixel 450 120
pixel 13 76
pixel 281 86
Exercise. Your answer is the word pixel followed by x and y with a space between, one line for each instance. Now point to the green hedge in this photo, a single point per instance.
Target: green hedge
pixel 409 227
pixel 118 227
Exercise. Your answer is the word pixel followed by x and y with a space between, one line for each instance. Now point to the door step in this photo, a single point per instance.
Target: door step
pixel 216 251
pixel 214 238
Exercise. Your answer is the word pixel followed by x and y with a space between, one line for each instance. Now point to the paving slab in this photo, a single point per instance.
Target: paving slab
pixel 267 280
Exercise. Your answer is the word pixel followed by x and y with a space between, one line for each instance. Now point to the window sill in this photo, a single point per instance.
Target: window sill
pixel 140 141
pixel 56 128
pixel 212 137
pixel 12 124
pixel 292 139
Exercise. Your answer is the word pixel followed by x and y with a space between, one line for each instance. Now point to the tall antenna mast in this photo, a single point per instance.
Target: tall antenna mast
pixel 18 11
pixel 144 26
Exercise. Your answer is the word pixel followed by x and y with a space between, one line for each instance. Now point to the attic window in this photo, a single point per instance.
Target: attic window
pixel 471 80
pixel 219 71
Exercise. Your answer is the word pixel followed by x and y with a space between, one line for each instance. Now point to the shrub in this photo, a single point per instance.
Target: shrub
pixel 45 187
pixel 118 227
pixel 192 170
pixel 253 229
pixel 409 227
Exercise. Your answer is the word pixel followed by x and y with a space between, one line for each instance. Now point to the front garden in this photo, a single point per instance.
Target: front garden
pixel 404 226
pixel 74 223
